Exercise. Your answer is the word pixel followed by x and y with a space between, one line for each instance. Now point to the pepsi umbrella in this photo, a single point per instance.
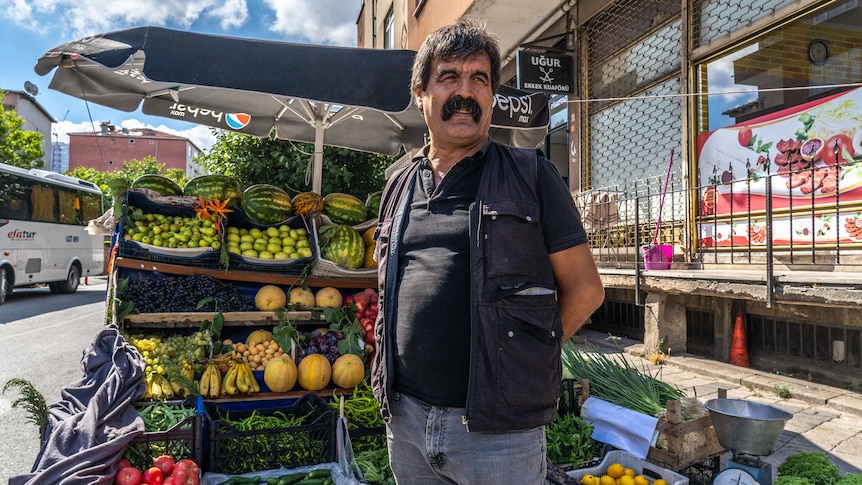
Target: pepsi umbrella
pixel 340 96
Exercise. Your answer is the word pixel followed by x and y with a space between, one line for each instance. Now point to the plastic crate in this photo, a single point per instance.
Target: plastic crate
pixel 325 268
pixel 198 257
pixel 184 440
pixel 363 438
pixel 236 451
pixel 627 460
pixel 291 267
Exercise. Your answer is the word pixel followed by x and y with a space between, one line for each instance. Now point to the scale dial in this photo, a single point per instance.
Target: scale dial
pixel 734 476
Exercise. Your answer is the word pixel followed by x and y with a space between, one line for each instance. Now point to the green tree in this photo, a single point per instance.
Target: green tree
pixel 118 181
pixel 19 147
pixel 252 160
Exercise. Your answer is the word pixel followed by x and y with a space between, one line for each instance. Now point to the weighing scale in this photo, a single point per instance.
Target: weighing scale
pixel 749 430
pixel 744 470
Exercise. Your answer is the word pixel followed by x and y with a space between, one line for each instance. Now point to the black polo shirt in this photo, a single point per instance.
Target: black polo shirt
pixel 432 330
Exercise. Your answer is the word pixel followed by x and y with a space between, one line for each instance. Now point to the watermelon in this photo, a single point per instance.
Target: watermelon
pixel 344 208
pixel 372 203
pixel 214 185
pixel 342 245
pixel 266 204
pixel 161 184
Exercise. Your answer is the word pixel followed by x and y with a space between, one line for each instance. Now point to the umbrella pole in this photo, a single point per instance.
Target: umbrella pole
pixel 317 167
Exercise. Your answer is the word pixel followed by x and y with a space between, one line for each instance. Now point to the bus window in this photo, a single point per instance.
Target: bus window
pixel 69 207
pixel 14 197
pixel 91 206
pixel 44 203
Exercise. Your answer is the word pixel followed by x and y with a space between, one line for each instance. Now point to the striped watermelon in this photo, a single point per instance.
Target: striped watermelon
pixel 266 204
pixel 344 208
pixel 214 185
pixel 161 184
pixel 372 203
pixel 342 245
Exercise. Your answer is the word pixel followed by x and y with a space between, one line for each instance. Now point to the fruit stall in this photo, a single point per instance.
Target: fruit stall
pixel 253 312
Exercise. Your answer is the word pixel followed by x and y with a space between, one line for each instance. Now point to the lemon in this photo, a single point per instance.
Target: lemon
pixel 607 480
pixel 660 481
pixel 589 479
pixel 616 470
pixel 629 472
pixel 626 480
pixel 641 480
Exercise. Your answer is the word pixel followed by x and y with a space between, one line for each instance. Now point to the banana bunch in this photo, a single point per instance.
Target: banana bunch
pixel 239 379
pixel 180 386
pixel 209 385
pixel 158 387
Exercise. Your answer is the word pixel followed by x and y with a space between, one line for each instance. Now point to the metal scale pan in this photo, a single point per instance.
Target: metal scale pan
pixel 746 428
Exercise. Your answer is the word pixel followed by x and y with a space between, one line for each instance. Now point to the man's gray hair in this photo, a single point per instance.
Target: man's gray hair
pixel 463 39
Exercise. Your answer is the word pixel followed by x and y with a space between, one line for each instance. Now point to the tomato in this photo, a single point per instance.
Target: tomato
pixel 153 476
pixel 164 463
pixel 186 477
pixel 128 475
pixel 188 465
pixel 845 150
pixel 744 136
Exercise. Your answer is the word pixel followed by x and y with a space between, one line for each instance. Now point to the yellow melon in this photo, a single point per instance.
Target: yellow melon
pixel 269 298
pixel 280 373
pixel 368 236
pixel 348 371
pixel 369 261
pixel 258 337
pixel 328 297
pixel 301 296
pixel 314 372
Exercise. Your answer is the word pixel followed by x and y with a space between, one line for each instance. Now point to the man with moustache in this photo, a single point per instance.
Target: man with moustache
pixel 484 270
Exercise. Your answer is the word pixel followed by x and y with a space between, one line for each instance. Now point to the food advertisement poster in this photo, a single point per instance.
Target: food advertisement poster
pixel 811 157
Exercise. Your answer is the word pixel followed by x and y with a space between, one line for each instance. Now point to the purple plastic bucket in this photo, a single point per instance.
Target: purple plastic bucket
pixel 658 257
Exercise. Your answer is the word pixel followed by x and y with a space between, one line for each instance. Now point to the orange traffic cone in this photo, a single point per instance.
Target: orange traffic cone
pixel 738 346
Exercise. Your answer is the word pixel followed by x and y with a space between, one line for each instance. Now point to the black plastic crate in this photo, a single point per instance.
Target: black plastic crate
pixel 293 267
pixel 366 439
pixel 183 440
pixel 198 257
pixel 236 451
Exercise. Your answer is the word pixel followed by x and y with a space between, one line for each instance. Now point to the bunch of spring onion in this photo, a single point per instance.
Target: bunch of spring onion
pixel 616 380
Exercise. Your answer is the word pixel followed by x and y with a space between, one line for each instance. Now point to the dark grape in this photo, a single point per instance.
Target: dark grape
pixel 333 349
pixel 181 294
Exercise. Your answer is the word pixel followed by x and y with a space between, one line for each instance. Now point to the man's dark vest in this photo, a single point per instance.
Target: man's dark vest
pixel 515 370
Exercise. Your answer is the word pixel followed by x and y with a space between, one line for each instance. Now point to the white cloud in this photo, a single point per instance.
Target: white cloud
pixel 87 17
pixel 720 77
pixel 320 22
pixel 198 134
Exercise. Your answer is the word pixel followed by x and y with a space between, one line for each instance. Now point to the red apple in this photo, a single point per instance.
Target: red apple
pixel 128 475
pixel 153 476
pixel 170 481
pixel 124 463
pixel 164 463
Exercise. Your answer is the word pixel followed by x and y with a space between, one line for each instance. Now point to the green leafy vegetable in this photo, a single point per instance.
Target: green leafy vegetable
pixel 813 466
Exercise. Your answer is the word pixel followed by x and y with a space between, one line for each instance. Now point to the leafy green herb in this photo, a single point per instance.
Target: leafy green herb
pixel 570 441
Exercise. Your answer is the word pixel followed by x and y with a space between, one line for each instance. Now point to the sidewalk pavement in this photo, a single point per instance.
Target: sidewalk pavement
pixel 825 419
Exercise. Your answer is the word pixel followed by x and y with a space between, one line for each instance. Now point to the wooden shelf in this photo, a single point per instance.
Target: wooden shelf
pixel 193 320
pixel 246 276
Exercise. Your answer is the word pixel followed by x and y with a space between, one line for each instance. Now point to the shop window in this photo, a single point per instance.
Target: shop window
pixel 783 68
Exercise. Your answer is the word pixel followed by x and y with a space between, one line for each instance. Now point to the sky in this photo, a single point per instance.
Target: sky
pixel 30 28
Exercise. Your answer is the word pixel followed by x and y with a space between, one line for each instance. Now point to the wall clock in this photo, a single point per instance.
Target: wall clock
pixel 818 52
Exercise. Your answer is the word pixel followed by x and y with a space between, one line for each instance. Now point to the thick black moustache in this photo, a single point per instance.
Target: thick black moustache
pixel 459 103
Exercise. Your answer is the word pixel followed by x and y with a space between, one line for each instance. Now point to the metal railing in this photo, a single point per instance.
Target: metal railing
pixel 800 220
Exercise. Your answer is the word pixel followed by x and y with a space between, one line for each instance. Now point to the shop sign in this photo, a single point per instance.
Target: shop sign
pixel 546 72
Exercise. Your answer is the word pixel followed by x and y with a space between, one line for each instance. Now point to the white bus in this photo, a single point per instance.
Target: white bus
pixel 43 237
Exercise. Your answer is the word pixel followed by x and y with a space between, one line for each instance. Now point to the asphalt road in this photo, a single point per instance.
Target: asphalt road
pixel 43 337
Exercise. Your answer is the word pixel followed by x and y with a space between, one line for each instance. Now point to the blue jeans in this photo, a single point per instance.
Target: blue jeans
pixel 430 445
